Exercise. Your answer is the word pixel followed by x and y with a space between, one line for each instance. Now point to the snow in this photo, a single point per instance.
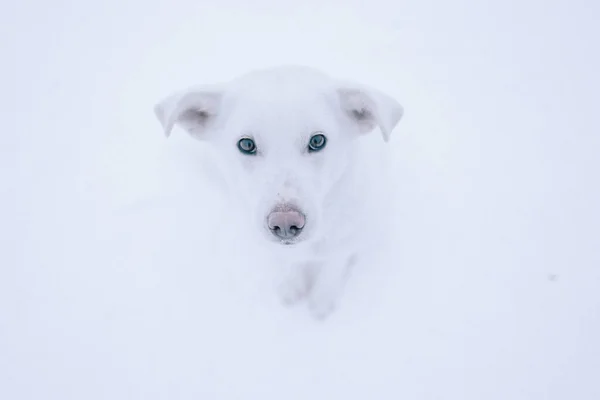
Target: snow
pixel 120 280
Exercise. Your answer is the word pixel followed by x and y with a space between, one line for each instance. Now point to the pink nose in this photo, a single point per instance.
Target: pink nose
pixel 286 223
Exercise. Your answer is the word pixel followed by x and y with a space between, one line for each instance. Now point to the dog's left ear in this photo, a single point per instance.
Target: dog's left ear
pixel 370 108
pixel 193 109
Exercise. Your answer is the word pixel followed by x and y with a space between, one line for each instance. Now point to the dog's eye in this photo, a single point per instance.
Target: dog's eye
pixel 247 146
pixel 317 142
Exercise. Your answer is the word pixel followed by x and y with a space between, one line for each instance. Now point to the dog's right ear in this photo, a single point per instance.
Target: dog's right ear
pixel 369 108
pixel 193 109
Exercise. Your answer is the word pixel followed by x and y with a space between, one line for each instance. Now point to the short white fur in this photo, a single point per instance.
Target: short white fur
pixel 280 108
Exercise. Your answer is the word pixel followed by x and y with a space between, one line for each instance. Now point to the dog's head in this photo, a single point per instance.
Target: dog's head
pixel 286 137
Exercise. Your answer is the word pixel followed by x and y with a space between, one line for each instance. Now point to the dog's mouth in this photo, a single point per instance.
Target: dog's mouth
pixel 287 242
pixel 284 242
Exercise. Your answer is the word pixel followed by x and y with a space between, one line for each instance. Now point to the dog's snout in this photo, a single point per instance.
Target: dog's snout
pixel 286 223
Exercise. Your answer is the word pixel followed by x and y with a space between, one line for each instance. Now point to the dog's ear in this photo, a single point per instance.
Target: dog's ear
pixel 193 109
pixel 370 108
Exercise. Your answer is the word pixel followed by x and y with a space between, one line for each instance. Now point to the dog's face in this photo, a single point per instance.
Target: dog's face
pixel 286 141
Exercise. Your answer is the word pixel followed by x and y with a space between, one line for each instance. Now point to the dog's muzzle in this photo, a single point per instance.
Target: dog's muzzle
pixel 286 223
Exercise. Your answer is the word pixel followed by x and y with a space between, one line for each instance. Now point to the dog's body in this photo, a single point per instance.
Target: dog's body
pixel 290 144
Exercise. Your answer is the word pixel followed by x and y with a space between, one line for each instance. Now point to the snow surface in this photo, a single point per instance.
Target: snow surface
pixel 116 278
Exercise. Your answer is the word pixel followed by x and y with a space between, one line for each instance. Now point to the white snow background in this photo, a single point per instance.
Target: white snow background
pixel 121 278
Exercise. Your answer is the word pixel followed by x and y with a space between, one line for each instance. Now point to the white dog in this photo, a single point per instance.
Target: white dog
pixel 290 139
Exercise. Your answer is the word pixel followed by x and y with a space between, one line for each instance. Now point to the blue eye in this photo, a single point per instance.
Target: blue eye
pixel 317 142
pixel 247 146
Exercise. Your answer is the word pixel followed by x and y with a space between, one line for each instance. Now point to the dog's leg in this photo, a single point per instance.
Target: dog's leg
pixel 297 282
pixel 328 286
